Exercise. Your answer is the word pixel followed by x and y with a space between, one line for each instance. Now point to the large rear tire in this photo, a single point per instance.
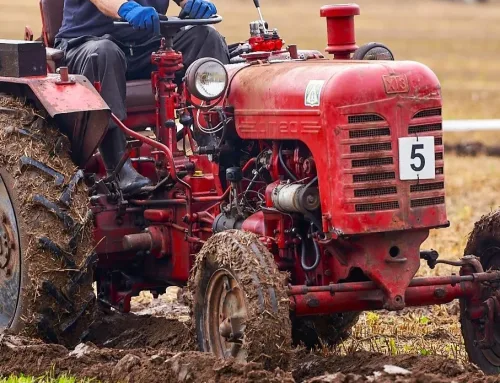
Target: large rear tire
pixel 484 242
pixel 45 246
pixel 238 300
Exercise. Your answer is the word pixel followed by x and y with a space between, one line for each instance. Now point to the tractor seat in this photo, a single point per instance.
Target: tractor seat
pixel 140 96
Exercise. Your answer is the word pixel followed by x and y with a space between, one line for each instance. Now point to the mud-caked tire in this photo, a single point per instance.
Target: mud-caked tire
pixel 236 279
pixel 323 330
pixel 46 247
pixel 484 243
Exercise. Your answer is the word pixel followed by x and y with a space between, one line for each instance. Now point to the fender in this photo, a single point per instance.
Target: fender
pixel 77 108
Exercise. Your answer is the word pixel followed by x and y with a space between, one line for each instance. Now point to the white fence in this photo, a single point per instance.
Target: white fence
pixel 470 125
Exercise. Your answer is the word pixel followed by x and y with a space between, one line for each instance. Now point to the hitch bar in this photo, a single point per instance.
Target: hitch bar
pixel 361 296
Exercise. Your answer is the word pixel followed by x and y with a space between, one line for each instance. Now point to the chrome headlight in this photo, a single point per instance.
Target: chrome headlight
pixel 206 79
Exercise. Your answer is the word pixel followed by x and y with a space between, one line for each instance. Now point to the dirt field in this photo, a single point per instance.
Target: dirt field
pixel 130 348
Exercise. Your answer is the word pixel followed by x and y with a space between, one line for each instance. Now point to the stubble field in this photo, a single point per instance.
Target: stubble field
pixel 461 43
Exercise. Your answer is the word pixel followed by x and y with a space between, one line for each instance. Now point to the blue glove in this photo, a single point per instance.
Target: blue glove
pixel 140 17
pixel 200 9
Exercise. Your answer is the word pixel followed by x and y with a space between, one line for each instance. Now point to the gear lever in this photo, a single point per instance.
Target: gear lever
pixel 257 5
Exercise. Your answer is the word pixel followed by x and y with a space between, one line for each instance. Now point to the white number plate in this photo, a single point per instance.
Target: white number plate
pixel 417 159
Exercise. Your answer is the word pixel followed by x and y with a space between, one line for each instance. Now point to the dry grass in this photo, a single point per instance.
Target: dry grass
pixel 460 42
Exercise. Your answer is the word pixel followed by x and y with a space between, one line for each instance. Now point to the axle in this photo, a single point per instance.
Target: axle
pixel 360 296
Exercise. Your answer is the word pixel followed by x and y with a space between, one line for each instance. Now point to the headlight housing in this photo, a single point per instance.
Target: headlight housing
pixel 206 79
pixel 373 51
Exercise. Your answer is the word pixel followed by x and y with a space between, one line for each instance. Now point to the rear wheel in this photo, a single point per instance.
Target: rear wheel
pixel 45 245
pixel 238 299
pixel 484 242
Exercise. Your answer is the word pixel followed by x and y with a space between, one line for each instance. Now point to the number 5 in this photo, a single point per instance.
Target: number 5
pixel 414 155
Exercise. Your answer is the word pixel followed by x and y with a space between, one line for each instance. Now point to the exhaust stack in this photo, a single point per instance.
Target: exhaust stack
pixel 340 29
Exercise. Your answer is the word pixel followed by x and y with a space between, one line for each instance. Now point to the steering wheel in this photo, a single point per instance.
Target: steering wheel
pixel 169 25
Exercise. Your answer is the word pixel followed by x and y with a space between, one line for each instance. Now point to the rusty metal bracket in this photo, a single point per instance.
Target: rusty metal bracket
pixel 64 77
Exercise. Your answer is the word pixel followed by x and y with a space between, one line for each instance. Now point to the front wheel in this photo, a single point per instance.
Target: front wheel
pixel 238 299
pixel 484 243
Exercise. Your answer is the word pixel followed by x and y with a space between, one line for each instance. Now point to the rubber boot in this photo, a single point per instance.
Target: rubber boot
pixel 112 149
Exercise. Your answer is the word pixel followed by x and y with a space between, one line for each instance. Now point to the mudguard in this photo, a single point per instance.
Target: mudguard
pixel 76 107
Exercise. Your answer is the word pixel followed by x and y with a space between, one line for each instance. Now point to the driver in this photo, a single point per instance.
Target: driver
pixel 125 54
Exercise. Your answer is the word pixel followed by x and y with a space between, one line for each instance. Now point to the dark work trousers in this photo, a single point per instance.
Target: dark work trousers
pixel 121 61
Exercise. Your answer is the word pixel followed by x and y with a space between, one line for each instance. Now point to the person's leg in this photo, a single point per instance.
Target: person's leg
pixel 111 68
pixel 201 41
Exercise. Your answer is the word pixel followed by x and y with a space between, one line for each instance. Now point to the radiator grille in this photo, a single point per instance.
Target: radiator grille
pixel 369 133
pixel 427 201
pixel 427 187
pixel 371 147
pixel 377 206
pixel 362 118
pixel 373 177
pixel 425 128
pixel 375 192
pixel 368 156
pixel 428 113
pixel 372 162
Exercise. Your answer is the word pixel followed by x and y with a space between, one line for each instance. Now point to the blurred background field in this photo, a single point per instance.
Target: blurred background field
pixel 461 43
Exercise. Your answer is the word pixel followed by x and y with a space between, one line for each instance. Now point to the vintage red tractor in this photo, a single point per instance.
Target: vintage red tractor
pixel 290 193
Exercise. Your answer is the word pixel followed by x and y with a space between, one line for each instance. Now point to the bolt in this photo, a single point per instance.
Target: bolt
pixel 439 293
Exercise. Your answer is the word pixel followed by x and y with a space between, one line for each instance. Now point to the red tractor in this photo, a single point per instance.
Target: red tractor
pixel 290 193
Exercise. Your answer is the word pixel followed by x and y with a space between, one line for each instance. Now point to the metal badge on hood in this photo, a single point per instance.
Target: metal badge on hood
pixel 313 92
pixel 396 84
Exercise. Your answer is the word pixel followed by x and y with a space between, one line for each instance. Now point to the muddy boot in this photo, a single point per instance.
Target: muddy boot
pixel 112 149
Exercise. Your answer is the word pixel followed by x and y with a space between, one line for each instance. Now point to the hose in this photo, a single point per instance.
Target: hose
pixel 222 117
pixel 283 165
pixel 303 255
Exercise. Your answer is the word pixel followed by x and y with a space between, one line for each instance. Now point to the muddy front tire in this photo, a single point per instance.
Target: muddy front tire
pixel 45 245
pixel 484 242
pixel 238 301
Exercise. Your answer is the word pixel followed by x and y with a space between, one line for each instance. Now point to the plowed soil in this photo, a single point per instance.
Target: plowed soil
pixel 145 348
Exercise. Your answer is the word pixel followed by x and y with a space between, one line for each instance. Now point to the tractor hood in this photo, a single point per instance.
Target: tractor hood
pixel 351 115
